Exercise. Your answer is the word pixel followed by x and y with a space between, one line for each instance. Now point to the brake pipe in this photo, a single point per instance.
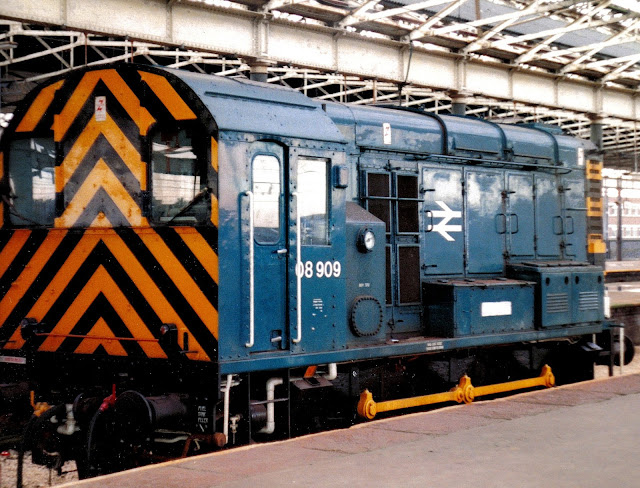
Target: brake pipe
pixel 463 392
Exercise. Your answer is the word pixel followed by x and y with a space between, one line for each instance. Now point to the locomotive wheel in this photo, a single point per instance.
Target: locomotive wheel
pixel 604 340
pixel 98 458
pixel 110 448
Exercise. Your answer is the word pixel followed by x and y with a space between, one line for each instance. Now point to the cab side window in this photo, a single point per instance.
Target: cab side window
pixel 179 191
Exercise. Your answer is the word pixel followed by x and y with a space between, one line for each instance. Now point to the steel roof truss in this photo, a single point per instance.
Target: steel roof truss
pixel 538 7
pixel 614 39
pixel 578 24
pixel 425 27
pixel 359 14
pixel 409 8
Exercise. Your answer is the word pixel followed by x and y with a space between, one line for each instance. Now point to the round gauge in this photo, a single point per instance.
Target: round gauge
pixel 366 240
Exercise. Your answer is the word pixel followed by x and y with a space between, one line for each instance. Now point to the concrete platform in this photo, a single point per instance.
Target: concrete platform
pixel 620 271
pixel 583 435
pixel 624 294
pixel 611 266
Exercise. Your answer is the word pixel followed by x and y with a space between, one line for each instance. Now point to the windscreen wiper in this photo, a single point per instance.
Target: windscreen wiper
pixel 203 193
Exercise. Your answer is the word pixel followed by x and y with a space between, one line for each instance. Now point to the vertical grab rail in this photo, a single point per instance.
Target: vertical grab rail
pixel 299 273
pixel 251 274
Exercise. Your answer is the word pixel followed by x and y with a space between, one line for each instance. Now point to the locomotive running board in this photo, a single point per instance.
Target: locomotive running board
pixel 464 392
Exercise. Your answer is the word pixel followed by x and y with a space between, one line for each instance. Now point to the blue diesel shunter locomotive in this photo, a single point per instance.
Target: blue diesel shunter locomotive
pixel 189 262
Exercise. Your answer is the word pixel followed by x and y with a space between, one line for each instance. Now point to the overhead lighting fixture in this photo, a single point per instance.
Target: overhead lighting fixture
pixel 8 45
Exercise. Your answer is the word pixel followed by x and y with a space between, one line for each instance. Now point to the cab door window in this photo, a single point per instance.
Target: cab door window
pixel 313 201
pixel 407 189
pixel 267 196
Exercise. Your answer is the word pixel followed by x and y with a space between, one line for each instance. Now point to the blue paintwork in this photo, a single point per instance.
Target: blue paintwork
pixel 247 106
pixel 527 145
pixel 412 132
pixel 364 270
pixel 488 196
pixel 474 138
pixel 455 307
pixel 566 293
pixel 407 348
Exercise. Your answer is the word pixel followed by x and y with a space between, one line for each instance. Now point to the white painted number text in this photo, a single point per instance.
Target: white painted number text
pixel 321 269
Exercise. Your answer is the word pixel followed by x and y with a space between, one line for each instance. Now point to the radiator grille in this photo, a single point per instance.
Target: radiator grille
pixel 557 303
pixel 589 300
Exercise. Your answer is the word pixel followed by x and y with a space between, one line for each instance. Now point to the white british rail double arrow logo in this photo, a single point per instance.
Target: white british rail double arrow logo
pixel 443 227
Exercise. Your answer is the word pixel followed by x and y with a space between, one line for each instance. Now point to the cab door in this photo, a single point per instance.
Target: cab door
pixel 548 219
pixel 574 218
pixel 485 221
pixel 269 251
pixel 316 221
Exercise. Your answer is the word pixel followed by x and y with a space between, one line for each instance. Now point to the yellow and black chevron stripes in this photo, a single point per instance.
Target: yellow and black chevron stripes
pixel 1 200
pixel 38 107
pixel 168 96
pixel 102 174
pixel 117 87
pixel 109 291
pixel 594 207
pixel 594 170
pixel 214 196
pixel 85 175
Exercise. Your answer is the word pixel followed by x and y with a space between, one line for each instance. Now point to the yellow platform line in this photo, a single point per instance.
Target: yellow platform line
pixel 618 271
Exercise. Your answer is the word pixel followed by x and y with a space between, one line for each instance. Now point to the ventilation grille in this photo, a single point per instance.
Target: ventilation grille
pixel 557 303
pixel 589 300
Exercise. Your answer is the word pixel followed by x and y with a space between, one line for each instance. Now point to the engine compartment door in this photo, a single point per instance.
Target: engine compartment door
pixel 443 212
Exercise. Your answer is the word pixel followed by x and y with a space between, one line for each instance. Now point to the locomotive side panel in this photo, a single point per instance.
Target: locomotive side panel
pixel 492 196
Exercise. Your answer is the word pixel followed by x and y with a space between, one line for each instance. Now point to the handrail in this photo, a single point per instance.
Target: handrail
pixel 251 273
pixel 299 272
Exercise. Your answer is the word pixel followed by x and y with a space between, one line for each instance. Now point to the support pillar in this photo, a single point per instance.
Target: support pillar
pixel 620 204
pixel 597 123
pixel 459 101
pixel 258 69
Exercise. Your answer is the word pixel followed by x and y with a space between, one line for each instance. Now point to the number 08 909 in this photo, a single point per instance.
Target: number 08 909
pixel 320 269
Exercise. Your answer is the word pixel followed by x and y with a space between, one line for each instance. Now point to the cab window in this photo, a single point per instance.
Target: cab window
pixel 313 201
pixel 32 190
pixel 267 195
pixel 179 191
